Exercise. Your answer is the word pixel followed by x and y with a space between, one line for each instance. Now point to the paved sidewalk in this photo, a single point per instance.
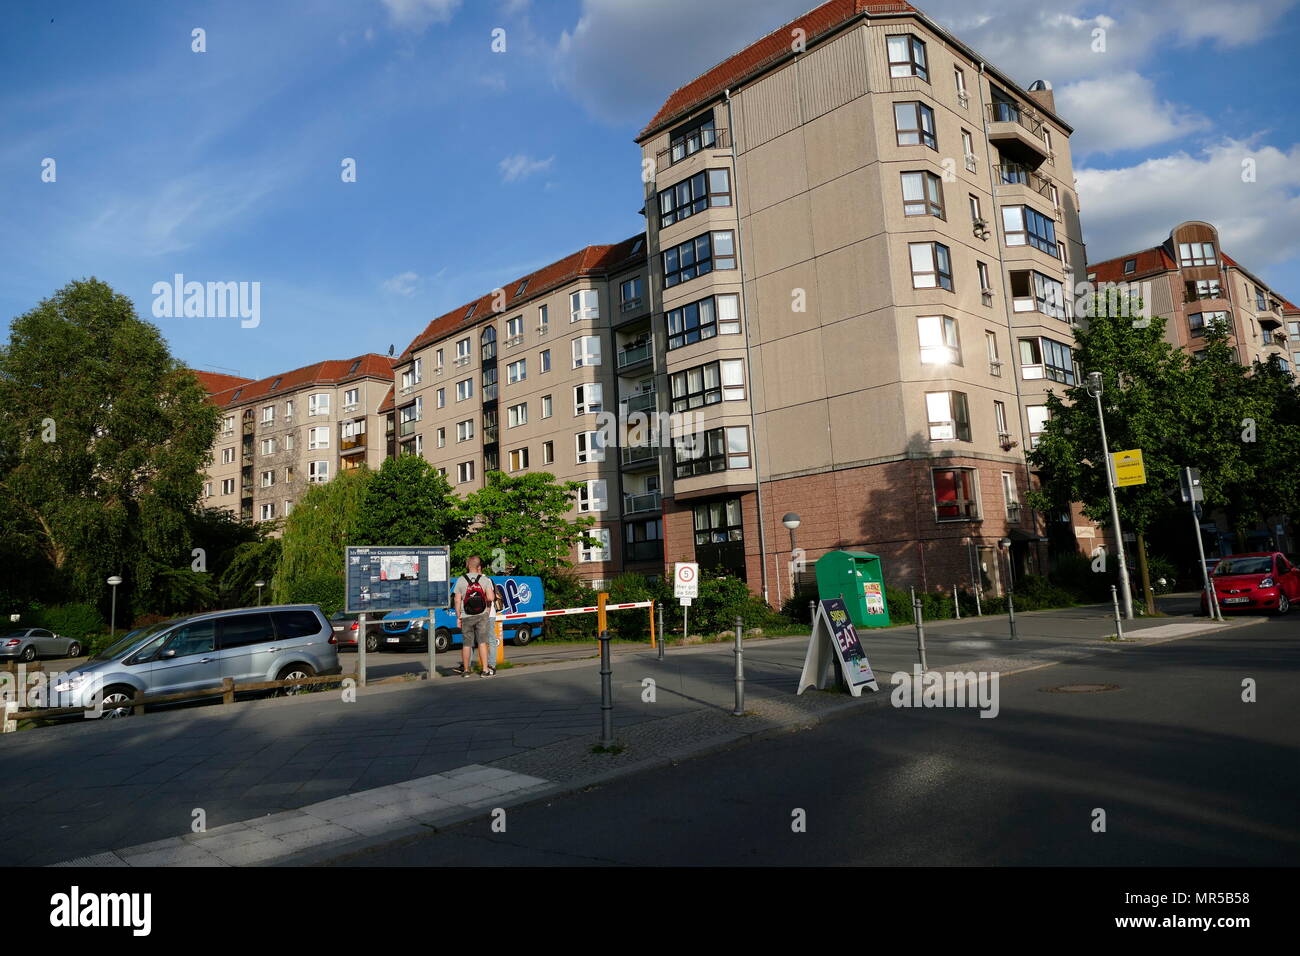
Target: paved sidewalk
pixel 94 787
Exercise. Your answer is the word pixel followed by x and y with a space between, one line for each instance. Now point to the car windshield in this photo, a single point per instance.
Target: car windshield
pixel 124 645
pixel 1229 566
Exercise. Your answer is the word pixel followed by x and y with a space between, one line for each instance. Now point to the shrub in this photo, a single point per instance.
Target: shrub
pixel 72 620
pixel 324 588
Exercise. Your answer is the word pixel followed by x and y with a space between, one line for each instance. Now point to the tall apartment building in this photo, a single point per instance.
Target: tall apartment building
pixel 861 235
pixel 283 433
pixel 1192 282
pixel 517 381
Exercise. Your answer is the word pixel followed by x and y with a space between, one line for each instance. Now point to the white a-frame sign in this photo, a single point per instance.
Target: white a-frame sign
pixel 834 636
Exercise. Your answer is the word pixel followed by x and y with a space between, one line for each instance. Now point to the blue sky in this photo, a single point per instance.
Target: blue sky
pixel 474 167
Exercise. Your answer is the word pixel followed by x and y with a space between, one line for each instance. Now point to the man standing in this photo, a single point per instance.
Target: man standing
pixel 473 598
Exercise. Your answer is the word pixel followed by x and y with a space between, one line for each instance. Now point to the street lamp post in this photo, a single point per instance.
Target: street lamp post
pixel 1095 389
pixel 1004 545
pixel 113 582
pixel 791 521
pixel 259 584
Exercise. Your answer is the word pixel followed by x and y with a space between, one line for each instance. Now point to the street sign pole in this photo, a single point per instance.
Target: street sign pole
pixel 361 651
pixel 1191 487
pixel 1124 589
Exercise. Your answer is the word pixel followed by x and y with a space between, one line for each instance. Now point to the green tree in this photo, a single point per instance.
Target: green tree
pixel 409 502
pixel 320 526
pixel 103 440
pixel 251 561
pixel 523 522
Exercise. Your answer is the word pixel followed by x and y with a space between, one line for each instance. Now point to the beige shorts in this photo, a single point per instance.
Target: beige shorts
pixel 476 629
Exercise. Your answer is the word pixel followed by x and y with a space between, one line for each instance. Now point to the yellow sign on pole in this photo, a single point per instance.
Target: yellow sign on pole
pixel 1128 468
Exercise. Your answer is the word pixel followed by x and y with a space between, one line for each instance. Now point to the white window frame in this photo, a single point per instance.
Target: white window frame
pixel 584 305
pixel 599 554
pixel 592 498
pixel 586 351
pixel 588 398
pixel 588 448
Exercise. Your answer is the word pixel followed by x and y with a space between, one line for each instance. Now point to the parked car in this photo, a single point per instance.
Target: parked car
pixel 29 643
pixel 347 627
pixel 1261 581
pixel 407 629
pixel 280 642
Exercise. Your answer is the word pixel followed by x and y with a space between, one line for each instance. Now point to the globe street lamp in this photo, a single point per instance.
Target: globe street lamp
pixel 1095 389
pixel 259 584
pixel 113 582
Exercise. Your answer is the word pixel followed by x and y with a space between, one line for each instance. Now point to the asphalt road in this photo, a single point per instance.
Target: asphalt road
pixel 1186 772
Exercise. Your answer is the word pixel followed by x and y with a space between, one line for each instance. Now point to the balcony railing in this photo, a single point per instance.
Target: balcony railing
pixel 357 443
pixel 491 433
pixel 635 454
pixel 643 551
pixel 405 429
pixel 1014 174
pixel 1011 113
pixel 682 149
pixel 634 355
pixel 630 304
pixel 490 392
pixel 647 501
pixel 644 402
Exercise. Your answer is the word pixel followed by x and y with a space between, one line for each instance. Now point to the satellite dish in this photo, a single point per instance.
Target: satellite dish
pixel 390 350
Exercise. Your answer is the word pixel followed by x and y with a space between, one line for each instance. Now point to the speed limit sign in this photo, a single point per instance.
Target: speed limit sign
pixel 686 581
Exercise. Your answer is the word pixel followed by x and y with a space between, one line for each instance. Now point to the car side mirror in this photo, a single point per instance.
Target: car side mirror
pixel 167 654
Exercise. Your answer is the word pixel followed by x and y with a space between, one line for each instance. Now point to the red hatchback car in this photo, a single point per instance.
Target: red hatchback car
pixel 1263 581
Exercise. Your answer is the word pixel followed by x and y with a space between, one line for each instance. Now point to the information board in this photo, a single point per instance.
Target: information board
pixel 1128 468
pixel 835 638
pixel 380 580
pixel 686 581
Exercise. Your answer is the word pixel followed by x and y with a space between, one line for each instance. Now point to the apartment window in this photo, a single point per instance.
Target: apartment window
pixel 207 489
pixel 589 447
pixel 931 265
pixel 907 57
pixel 591 496
pixel 228 455
pixel 1037 416
pixel 630 293
pixel 720 536
pixel 288 442
pixel 546 406
pixel 1047 140
pixel 986 280
pixel 268 415
pixel 691 137
pixel 968 150
pixel 976 214
pixel 516 371
pixel 318 472
pixel 268 478
pixel 587 398
pixel 959 81
pixel 518 459
pixel 465 430
pixel 1261 300
pixel 543 319
pixel 699 256
pixel 938 336
pixel 438 361
pixel 462 351
pixel 288 409
pixel 712 187
pixel 228 425
pixel 268 511
pixel 1199 320
pixel 464 472
pixel 228 486
pixel 1204 289
pixel 1035 292
pixel 548 453
pixel 464 389
pixel 719 314
pixel 351 398
pixel 590 553
pixel 268 446
pixel 1196 254
pixel 949 416
pixel 545 357
pixel 708 384
pixel 583 305
pixel 955 497
pixel 1000 418
pixel 318 437
pixel 442 398
pixel 441 437
pixel 914 125
pixel 991 347
pixel 318 404
pixel 717 449
pixel 517 415
pixel 922 195
pixel 515 328
pixel 1023 225
pixel 1130 266
pixel 586 351
pixel 1046 358
pixel 488 343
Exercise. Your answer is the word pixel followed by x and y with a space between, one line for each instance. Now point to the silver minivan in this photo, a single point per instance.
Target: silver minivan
pixel 197 653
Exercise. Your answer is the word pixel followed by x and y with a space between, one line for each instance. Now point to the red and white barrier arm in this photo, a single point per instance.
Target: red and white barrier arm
pixel 573 610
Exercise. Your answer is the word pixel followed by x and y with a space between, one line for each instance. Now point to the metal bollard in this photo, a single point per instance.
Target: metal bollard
pixel 919 615
pixel 361 651
pixel 812 613
pixel 1011 613
pixel 956 603
pixel 1119 625
pixel 739 710
pixel 979 609
pixel 606 693
pixel 663 635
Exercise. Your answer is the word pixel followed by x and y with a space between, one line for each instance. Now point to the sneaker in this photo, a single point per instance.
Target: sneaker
pixel 490 672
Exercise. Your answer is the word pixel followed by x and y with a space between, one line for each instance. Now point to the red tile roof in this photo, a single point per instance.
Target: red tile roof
pixel 591 261
pixel 330 372
pixel 1149 262
pixel 756 57
pixel 387 404
pixel 214 382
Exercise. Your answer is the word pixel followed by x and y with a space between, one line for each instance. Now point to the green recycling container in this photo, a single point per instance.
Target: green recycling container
pixel 859 578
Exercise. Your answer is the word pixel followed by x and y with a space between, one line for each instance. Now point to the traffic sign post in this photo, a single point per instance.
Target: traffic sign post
pixel 686 588
pixel 1194 494
pixel 1128 469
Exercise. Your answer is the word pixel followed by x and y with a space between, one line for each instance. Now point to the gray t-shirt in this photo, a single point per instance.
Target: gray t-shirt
pixel 489 591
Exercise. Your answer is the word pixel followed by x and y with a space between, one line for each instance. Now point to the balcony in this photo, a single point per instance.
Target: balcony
pixel 1268 321
pixel 647 501
pixel 630 304
pixel 643 551
pixel 1016 174
pixel 692 146
pixel 635 357
pixel 350 446
pixel 1016 133
pixel 490 392
pixel 461 360
pixel 644 402
pixel 491 434
pixel 640 456
pixel 406 429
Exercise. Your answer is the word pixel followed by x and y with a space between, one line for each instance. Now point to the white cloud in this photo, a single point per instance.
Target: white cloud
pixel 403 283
pixel 519 167
pixel 1127 209
pixel 419 14
pixel 1121 111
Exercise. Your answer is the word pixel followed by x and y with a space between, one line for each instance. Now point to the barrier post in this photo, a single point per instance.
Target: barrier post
pixel 501 644
pixel 919 615
pixel 739 710
pixel 361 650
pixel 652 623
pixel 663 637
pixel 956 603
pixel 601 598
pixel 606 689
pixel 432 636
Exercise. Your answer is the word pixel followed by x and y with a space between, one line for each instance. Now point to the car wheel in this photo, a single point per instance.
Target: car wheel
pixel 372 643
pixel 29 654
pixel 441 640
pixel 295 672
pixel 523 636
pixel 74 649
pixel 116 702
pixel 1283 604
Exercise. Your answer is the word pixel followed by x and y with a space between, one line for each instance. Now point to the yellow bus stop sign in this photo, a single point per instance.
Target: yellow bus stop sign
pixel 1128 468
